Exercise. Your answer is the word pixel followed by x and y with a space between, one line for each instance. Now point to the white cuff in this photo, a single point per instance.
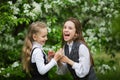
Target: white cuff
pixel 75 65
pixel 53 60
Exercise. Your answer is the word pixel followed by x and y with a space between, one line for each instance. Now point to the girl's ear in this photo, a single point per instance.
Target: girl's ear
pixel 76 35
pixel 34 37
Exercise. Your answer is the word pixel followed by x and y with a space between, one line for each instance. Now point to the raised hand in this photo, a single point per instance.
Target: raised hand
pixel 58 55
pixel 65 59
pixel 50 55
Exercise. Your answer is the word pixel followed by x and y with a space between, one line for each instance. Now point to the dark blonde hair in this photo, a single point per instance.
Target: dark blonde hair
pixel 27 47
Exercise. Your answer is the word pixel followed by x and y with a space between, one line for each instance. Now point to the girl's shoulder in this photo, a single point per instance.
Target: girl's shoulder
pixel 83 48
pixel 36 50
pixel 83 45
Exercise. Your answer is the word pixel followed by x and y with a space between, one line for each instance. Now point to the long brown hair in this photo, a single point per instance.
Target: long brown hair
pixel 27 47
pixel 79 38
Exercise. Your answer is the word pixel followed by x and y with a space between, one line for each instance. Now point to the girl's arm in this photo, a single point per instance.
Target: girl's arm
pixel 81 68
pixel 39 60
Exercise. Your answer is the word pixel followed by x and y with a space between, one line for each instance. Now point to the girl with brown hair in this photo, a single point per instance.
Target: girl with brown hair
pixel 77 59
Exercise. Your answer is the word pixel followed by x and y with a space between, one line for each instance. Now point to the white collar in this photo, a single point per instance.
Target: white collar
pixel 70 44
pixel 36 44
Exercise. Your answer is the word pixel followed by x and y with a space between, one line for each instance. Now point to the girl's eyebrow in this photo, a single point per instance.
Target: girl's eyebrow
pixel 44 35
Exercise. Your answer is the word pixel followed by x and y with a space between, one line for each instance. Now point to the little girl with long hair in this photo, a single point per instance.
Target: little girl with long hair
pixel 34 59
pixel 77 59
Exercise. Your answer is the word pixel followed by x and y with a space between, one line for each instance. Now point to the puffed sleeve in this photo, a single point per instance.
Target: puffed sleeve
pixel 39 60
pixel 82 68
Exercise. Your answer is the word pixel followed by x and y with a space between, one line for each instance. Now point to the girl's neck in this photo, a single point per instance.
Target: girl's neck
pixel 38 44
pixel 70 42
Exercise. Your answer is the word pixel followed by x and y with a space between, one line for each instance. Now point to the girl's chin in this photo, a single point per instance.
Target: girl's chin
pixel 43 43
pixel 66 39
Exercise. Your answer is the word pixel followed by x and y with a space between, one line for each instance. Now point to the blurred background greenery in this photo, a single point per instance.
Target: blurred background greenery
pixel 101 32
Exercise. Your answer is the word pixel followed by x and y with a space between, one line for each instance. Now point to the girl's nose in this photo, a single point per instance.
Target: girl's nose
pixel 66 29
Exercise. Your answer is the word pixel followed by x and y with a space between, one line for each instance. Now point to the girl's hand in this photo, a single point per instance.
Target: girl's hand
pixel 58 55
pixel 65 59
pixel 50 55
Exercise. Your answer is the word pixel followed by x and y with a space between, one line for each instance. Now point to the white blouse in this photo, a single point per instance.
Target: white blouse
pixel 37 57
pixel 81 68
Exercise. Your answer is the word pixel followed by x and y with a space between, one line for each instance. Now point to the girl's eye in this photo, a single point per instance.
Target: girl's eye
pixel 44 36
pixel 70 28
pixel 64 27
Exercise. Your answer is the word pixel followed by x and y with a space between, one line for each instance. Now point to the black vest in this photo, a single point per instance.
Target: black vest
pixel 35 75
pixel 74 55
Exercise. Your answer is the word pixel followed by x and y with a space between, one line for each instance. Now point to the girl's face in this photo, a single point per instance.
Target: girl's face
pixel 69 31
pixel 41 36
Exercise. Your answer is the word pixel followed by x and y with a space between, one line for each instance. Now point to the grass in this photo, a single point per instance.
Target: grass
pixel 103 58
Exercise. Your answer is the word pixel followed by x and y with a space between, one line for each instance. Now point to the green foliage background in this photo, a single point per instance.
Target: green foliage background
pixel 16 15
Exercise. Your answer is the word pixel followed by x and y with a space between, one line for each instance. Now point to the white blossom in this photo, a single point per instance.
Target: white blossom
pixel 31 14
pixel 93 8
pixel 26 11
pixel 102 71
pixel 102 29
pixel 115 12
pixel 47 6
pixel 2 68
pixel 58 2
pixel 101 3
pixel 10 2
pixel 14 17
pixel 19 1
pixel 104 68
pixel 7 75
pixel 102 23
pixel 104 8
pixel 84 9
pixel 112 4
pixel 90 32
pixel 114 68
pixel 49 29
pixel 109 15
pixel 93 49
pixel 26 6
pixel 15 9
pixel 72 1
pixel 37 8
pixel 15 64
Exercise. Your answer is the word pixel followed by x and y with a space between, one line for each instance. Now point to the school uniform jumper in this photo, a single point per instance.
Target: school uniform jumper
pixel 74 55
pixel 39 64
